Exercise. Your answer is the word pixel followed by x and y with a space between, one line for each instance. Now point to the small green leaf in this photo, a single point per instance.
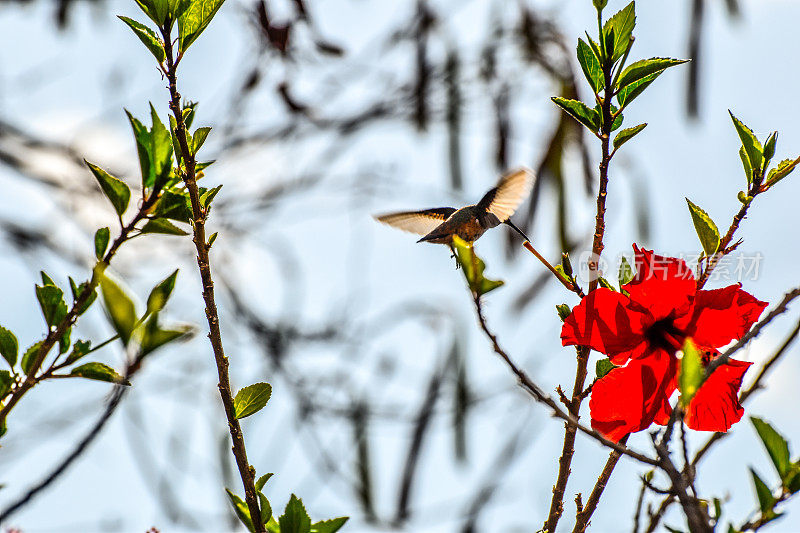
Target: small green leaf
pixel 29 357
pixel 329 526
pixel 154 337
pixel 157 10
pixel 241 509
pixel 606 284
pixel 212 239
pixel 627 94
pixel 260 482
pixel 6 380
pixel 603 367
pixel 79 349
pixel 147 36
pixel 207 195
pixel 162 226
pixel 748 169
pixel 99 372
pixel 579 111
pixel 295 518
pixel 590 64
pixel 473 268
pixel 755 153
pixel 769 148
pixel 266 508
pixel 766 501
pixel 783 169
pixel 115 190
pixel 621 25
pixel 691 374
pixel 595 47
pixel 777 446
pixel 101 238
pixel 199 138
pixel 51 300
pixel 77 292
pixel 706 229
pixel 251 399
pixel 625 274
pixel 120 308
pixel 563 311
pixel 174 206
pixel 9 346
pixel 646 67
pixel 46 280
pixel 160 294
pixel 792 482
pixel 160 151
pixel 195 20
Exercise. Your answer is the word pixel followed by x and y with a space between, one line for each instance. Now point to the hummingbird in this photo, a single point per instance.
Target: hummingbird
pixel 439 224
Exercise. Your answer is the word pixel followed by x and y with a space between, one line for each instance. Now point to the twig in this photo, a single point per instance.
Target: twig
pixel 573 287
pixel 639 505
pixel 199 213
pixel 584 515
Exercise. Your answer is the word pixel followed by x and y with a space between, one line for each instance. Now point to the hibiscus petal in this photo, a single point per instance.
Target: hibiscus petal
pixel 664 286
pixel 721 315
pixel 715 406
pixel 629 398
pixel 605 321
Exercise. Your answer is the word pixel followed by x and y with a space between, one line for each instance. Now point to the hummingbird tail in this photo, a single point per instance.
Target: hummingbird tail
pixel 508 222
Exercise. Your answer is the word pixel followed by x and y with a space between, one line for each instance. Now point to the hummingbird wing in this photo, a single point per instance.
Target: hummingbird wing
pixel 419 222
pixel 502 200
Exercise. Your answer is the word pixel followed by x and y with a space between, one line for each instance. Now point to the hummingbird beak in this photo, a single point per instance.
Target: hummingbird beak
pixel 509 223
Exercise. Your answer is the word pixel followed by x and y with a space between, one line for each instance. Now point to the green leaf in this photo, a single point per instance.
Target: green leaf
pixel 199 138
pixel 625 274
pixel 162 226
pixel 769 148
pixel 174 206
pixel 207 195
pixel 606 284
pixel 260 482
pixel 143 144
pixel 755 153
pixel 160 152
pixel 9 346
pixel 295 518
pixel 79 349
pixel 195 20
pixel 115 190
pixel 563 311
pixel 157 10
pixel 51 300
pixel 212 239
pixel 599 4
pixel 627 94
pixel 595 48
pixel 46 280
pixel 77 291
pixel 251 399
pixel 783 169
pixel 29 357
pixel 748 169
pixel 101 238
pixel 646 67
pixel 147 36
pixel 241 509
pixel 590 64
pixel 329 526
pixel 691 374
pixel 265 508
pixel 473 268
pixel 766 501
pixel 706 229
pixel 120 309
pixel 6 380
pixel 160 294
pixel 603 367
pixel 621 24
pixel 792 482
pixel 99 372
pixel 777 446
pixel 579 111
pixel 177 7
pixel 154 337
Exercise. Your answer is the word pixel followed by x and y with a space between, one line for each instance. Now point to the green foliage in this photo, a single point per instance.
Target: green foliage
pixel 617 32
pixel 295 518
pixel 147 36
pixel 120 309
pixel 783 169
pixel 329 526
pixel 599 4
pixel 240 507
pixel 748 169
pixel 691 374
pixel 563 311
pixel 627 94
pixel 79 349
pixel 77 292
pixel 251 399
pixel 101 238
pixel 603 367
pixel 766 501
pixel 160 294
pixel 154 336
pixel 644 68
pixel 115 190
pixel 29 357
pixel 6 380
pixel 753 149
pixel 606 284
pixel 777 446
pixel 473 268
pixel 590 64
pixel 154 147
pixel 199 138
pixel 174 206
pixel 157 10
pixel 625 274
pixel 51 301
pixel 579 111
pixel 769 148
pixel 627 134
pixel 195 20
pixel 99 372
pixel 706 230
pixel 162 226
pixel 9 346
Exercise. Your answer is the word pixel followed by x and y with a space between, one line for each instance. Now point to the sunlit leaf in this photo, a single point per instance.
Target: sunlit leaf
pixel 755 153
pixel 120 308
pixel 147 36
pixel 9 346
pixel 329 526
pixel 777 446
pixel 706 230
pixel 195 20
pixel 162 226
pixel 241 509
pixel 295 518
pixel 645 67
pixel 590 64
pixel 621 26
pixel 99 372
pixel 115 190
pixel 579 111
pixel 691 373
pixel 251 399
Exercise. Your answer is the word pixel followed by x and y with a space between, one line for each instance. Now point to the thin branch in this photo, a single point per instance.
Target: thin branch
pixel 585 514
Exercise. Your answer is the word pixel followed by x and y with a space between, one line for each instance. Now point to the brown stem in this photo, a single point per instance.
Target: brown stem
pixel 199 213
pixel 564 281
pixel 723 245
pixel 584 515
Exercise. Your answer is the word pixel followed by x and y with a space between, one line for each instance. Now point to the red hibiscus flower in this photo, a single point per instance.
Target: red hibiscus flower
pixel 641 334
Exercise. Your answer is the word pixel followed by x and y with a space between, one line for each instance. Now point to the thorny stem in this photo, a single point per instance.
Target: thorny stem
pixel 199 214
pixel 54 334
pixel 568 449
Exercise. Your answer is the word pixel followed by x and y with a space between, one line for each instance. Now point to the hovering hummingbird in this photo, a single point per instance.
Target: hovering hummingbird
pixel 438 225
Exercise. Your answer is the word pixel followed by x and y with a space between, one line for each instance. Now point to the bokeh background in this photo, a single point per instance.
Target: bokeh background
pixel 388 405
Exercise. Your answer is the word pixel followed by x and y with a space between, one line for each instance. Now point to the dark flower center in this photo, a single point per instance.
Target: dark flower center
pixel 665 335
